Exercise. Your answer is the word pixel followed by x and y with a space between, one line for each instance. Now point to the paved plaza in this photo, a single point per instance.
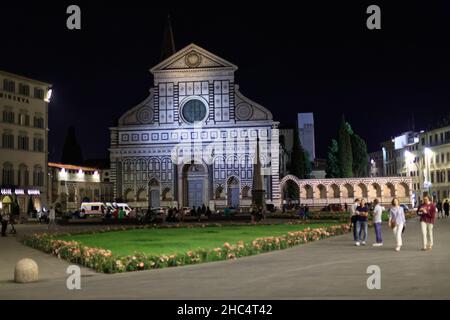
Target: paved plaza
pixel 328 269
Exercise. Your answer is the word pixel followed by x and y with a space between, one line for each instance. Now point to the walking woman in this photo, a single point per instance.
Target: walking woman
pixel 427 212
pixel 397 222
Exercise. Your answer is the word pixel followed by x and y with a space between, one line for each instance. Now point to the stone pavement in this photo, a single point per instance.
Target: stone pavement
pixel 328 269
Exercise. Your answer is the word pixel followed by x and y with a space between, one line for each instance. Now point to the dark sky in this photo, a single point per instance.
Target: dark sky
pixel 291 59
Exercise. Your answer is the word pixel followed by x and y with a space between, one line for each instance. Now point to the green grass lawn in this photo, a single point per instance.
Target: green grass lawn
pixel 181 240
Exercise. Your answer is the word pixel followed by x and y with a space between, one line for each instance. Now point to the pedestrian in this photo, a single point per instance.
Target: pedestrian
pixel 377 219
pixel 301 212
pixel 439 210
pixel 361 223
pixel 306 212
pixel 354 218
pixel 4 216
pixel 208 212
pixel 397 222
pixel 51 217
pixel 427 212
pixel 446 208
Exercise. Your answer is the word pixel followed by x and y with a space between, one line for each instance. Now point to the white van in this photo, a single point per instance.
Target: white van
pixel 125 207
pixel 113 206
pixel 92 209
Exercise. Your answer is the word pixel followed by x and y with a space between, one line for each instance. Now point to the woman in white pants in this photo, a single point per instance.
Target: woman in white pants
pixel 427 212
pixel 397 222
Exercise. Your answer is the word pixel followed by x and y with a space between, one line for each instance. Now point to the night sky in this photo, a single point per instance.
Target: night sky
pixel 311 58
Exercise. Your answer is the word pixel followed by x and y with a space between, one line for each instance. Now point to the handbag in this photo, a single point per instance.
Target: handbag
pixel 392 224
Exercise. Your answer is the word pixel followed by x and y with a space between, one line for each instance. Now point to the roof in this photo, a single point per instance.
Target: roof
pixel 9 74
pixel 71 167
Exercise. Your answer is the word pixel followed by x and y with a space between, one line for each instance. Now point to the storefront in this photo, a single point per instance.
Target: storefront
pixel 23 198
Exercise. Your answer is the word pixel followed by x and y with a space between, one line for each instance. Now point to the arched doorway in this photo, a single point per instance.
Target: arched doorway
pixel 233 192
pixel 291 192
pixel 6 204
pixel 154 192
pixel 195 187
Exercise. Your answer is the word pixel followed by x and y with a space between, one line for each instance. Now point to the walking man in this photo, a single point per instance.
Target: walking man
pixel 377 218
pixel 427 212
pixel 439 210
pixel 446 208
pixel 4 217
pixel 361 224
pixel 51 217
pixel 354 218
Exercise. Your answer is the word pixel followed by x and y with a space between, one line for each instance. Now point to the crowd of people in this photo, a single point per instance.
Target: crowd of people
pixel 443 209
pixel 360 212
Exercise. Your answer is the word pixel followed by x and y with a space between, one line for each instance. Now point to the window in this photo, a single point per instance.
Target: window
pixel 8 140
pixel 38 176
pixel 24 89
pixel 23 176
pixel 437 158
pixel 8 116
pixel 38 144
pixel 432 176
pixel 38 93
pixel 9 85
pixel 423 141
pixel 8 174
pixel 193 111
pixel 39 122
pixel 22 142
pixel 442 157
pixel 431 140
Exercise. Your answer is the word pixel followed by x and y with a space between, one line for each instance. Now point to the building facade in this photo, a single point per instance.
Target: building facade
pixel 324 192
pixel 23 148
pixel 192 142
pixel 69 185
pixel 306 133
pixel 434 161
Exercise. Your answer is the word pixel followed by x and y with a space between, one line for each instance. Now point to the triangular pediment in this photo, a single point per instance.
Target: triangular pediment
pixel 193 57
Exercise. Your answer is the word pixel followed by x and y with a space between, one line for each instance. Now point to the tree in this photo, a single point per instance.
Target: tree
pixel 300 164
pixel 345 155
pixel 333 170
pixel 360 156
pixel 72 150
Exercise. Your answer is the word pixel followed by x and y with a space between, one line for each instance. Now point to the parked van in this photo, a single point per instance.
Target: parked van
pixel 92 209
pixel 113 206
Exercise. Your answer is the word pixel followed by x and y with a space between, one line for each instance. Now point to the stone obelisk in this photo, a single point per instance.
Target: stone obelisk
pixel 257 188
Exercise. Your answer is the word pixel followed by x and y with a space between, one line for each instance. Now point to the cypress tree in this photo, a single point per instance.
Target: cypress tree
pixel 345 154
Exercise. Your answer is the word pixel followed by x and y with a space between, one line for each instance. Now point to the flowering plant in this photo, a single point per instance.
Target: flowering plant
pixel 105 261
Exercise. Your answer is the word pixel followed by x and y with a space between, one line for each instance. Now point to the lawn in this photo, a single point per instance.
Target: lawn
pixel 181 240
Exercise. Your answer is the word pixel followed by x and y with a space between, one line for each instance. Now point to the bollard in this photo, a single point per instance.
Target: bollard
pixel 26 271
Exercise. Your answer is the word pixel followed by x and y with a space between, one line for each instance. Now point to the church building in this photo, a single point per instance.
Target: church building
pixel 192 141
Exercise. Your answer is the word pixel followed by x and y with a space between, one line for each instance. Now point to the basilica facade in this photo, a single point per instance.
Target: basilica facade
pixel 192 141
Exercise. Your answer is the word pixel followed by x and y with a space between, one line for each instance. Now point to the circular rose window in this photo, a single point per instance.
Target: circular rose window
pixel 194 110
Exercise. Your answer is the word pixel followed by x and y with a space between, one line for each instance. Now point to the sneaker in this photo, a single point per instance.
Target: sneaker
pixel 397 249
pixel 424 249
pixel 357 244
pixel 363 243
pixel 377 244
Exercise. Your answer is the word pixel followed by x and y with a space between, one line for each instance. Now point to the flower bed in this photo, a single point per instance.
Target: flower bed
pixel 103 260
